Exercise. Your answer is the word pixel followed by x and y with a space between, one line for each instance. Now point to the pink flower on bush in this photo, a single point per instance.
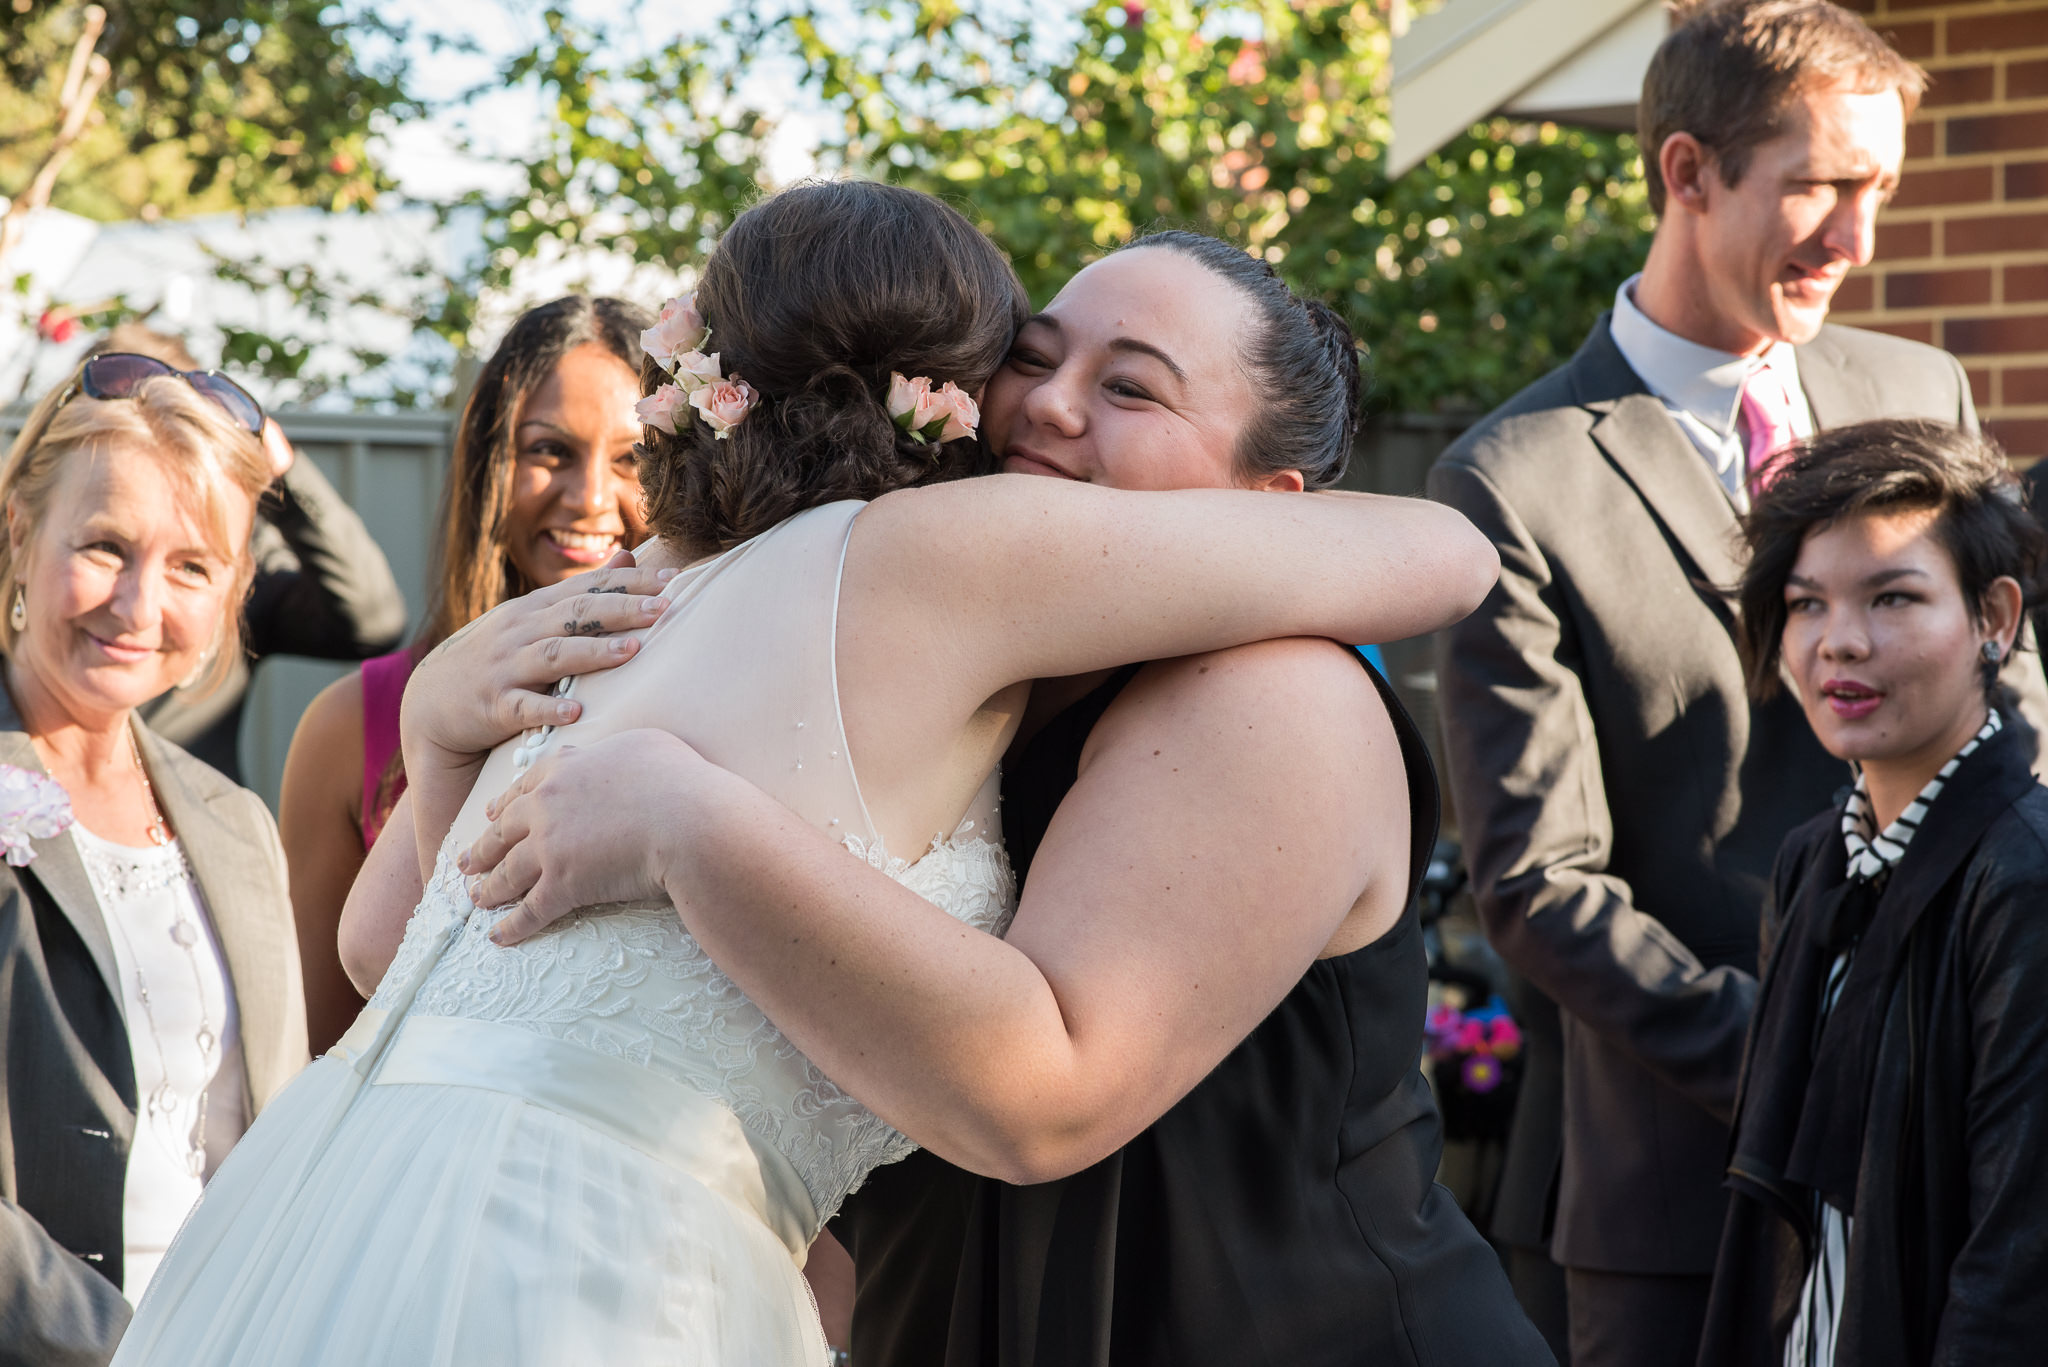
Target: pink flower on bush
pixel 1482 1073
pixel 724 404
pixel 660 409
pixel 57 326
pixel 679 332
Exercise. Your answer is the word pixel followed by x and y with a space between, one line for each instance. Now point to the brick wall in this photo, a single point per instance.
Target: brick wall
pixel 1962 252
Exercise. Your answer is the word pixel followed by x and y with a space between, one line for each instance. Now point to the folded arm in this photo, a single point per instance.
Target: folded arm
pixel 1532 802
pixel 323 587
pixel 1214 842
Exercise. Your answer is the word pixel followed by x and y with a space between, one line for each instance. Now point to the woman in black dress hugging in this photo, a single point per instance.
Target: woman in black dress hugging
pixel 1890 1198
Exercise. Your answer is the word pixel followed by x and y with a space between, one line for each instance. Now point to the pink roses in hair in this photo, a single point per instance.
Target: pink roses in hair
pixel 679 331
pixel 932 415
pixel 659 409
pixel 675 343
pixel 723 404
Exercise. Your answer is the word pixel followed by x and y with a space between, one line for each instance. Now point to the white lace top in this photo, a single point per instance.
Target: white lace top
pixel 182 1036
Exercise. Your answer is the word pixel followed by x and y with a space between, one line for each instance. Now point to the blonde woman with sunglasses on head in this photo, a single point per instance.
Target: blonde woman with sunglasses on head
pixel 153 999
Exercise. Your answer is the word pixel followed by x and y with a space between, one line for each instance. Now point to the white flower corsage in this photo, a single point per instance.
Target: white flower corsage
pixel 33 806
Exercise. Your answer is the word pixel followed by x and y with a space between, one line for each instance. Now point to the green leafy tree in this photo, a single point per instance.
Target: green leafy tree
pixel 1066 132
pixel 208 105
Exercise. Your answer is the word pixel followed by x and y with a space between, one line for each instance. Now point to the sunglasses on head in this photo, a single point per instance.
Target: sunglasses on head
pixel 118 374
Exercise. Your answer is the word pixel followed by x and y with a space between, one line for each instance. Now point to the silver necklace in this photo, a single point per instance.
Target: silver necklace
pixel 159 833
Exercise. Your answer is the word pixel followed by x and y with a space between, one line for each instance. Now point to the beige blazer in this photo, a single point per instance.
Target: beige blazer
pixel 67 1097
pixel 231 839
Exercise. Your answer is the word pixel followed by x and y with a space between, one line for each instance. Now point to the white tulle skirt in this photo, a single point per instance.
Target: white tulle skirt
pixel 419 1224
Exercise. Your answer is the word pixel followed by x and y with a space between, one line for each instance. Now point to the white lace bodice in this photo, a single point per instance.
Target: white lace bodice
pixel 631 983
pixel 741 665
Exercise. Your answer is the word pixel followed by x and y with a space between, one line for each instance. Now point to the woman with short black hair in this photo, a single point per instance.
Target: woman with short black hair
pixel 1890 1204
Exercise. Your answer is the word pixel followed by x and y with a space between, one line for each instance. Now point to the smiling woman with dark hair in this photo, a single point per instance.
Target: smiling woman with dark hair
pixel 1891 1204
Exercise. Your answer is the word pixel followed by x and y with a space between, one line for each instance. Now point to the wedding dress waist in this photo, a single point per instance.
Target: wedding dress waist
pixel 661 1118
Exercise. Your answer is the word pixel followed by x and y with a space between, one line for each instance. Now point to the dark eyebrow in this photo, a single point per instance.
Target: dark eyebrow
pixel 552 427
pixel 1882 577
pixel 1887 576
pixel 1147 349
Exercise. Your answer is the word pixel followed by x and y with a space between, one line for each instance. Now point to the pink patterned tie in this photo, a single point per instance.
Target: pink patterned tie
pixel 1766 425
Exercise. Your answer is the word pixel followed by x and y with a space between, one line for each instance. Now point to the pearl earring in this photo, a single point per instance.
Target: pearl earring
pixel 17 616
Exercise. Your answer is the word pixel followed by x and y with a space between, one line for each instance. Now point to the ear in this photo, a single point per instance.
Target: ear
pixel 1686 166
pixel 2000 610
pixel 17 533
pixel 1285 481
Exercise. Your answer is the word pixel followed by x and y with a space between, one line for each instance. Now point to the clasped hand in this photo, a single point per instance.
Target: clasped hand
pixel 585 826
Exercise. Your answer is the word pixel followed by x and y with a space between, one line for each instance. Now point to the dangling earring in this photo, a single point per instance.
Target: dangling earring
pixel 17 616
pixel 1992 656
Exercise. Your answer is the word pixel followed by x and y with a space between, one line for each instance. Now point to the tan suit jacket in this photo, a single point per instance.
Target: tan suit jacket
pixel 67 1092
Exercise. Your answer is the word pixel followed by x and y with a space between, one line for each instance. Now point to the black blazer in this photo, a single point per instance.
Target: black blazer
pixel 1948 1255
pixel 67 1093
pixel 1619 797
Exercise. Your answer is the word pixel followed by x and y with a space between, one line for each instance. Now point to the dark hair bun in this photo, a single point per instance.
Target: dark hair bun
pixel 814 297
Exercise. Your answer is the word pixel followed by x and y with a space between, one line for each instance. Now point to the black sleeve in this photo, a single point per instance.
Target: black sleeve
pixel 323 587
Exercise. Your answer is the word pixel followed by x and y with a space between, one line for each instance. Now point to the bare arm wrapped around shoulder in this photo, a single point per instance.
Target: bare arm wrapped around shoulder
pixel 1018 577
pixel 1237 814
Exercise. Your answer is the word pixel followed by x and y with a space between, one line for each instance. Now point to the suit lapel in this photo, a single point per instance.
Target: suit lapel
pixel 1653 453
pixel 1836 392
pixel 57 865
pixel 254 939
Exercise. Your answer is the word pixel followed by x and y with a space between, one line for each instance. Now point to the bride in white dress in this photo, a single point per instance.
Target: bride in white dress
pixel 590 1147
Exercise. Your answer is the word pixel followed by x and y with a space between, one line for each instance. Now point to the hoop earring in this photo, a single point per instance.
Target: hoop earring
pixel 17 616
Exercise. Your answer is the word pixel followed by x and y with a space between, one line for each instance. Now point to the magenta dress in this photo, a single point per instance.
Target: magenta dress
pixel 383 690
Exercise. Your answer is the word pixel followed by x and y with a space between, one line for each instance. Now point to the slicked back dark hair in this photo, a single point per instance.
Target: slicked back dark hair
pixel 1894 465
pixel 1303 362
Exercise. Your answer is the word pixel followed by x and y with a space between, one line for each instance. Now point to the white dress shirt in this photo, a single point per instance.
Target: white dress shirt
pixel 1702 387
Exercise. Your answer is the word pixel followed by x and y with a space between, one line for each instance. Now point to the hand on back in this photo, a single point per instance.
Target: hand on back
pixel 585 826
pixel 494 678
